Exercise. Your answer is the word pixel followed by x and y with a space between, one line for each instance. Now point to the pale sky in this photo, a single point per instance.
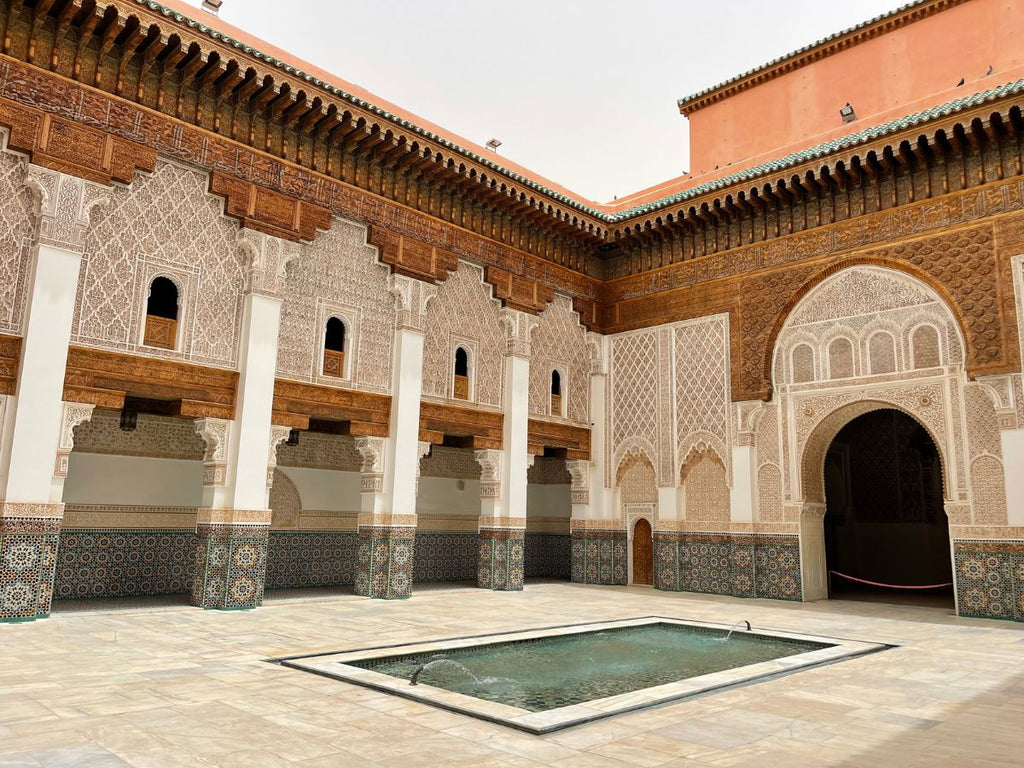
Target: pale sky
pixel 580 91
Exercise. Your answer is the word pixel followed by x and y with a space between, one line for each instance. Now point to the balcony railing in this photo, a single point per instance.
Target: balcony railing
pixel 160 332
pixel 334 363
pixel 461 387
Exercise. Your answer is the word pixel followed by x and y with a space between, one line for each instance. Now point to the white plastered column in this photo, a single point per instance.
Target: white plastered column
pixel 34 415
pixel 743 493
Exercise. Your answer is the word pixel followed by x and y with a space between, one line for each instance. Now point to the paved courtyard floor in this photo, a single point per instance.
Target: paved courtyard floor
pixel 172 686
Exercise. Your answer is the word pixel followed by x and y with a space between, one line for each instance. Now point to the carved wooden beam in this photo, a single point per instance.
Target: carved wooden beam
pixel 548 434
pixel 267 211
pixel 410 257
pixel 518 292
pixel 106 378
pixel 73 148
pixel 481 428
pixel 295 403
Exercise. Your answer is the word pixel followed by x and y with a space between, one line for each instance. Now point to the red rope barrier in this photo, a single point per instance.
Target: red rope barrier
pixel 890 586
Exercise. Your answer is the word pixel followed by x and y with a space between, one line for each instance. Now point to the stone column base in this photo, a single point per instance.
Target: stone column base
pixel 231 559
pixel 599 556
pixel 500 563
pixel 384 562
pixel 29 534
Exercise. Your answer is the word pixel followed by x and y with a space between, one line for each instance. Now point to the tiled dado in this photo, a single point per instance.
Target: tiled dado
pixel 743 565
pixel 230 565
pixel 990 578
pixel 124 562
pixel 384 562
pixel 599 556
pixel 548 555
pixel 445 556
pixel 500 560
pixel 311 559
pixel 28 557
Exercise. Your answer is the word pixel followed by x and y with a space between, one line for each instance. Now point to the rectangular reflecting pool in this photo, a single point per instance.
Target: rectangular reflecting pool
pixel 546 679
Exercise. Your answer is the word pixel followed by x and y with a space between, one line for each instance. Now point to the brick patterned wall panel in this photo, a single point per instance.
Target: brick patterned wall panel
pixel 559 341
pixel 16 238
pixel 311 559
pixel 445 556
pixel 338 275
pixel 464 311
pixel 634 393
pixel 124 563
pixel 163 224
pixel 702 384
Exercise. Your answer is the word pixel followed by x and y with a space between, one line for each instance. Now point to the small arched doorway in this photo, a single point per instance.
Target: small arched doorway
pixel 643 552
pixel 884 517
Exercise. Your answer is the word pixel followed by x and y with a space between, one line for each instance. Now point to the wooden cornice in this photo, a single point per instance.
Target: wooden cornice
pixel 367 414
pixel 481 429
pixel 267 211
pixel 106 378
pixel 411 257
pixel 68 146
pixel 549 434
pixel 10 354
pixel 518 292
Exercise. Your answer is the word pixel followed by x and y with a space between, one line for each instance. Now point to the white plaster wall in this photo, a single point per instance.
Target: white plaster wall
pixel 548 500
pixel 133 480
pixel 441 495
pixel 325 489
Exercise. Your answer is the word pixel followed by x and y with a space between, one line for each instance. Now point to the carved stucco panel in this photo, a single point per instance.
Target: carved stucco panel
pixel 16 236
pixel 560 342
pixel 634 393
pixel 702 385
pixel 464 308
pixel 168 219
pixel 338 275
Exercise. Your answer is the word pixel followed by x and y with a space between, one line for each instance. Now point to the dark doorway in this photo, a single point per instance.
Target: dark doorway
pixel 643 553
pixel 884 519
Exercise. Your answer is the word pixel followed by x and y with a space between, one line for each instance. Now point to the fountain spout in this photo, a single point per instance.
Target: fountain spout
pixel 443 663
pixel 734 627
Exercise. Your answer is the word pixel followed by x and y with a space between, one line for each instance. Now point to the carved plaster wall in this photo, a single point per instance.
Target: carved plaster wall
pixel 560 342
pixel 157 437
pixel 164 224
pixel 340 276
pixel 877 315
pixel 17 227
pixel 464 313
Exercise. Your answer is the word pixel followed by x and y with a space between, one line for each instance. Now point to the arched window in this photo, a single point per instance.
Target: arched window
pixel 334 348
pixel 803 363
pixel 461 389
pixel 882 353
pixel 556 394
pixel 925 343
pixel 840 359
pixel 161 315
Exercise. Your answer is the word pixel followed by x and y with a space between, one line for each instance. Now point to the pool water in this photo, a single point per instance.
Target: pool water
pixel 551 672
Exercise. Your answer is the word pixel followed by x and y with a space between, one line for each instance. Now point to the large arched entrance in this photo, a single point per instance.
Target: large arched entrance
pixel 884 518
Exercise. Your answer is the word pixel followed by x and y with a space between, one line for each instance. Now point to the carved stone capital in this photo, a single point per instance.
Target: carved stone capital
pixel 278 435
pixel 490 461
pixel 518 328
pixel 579 481
pixel 372 449
pixel 216 433
pixel 411 299
pixel 422 449
pixel 597 346
pixel 73 415
pixel 64 203
pixel 269 259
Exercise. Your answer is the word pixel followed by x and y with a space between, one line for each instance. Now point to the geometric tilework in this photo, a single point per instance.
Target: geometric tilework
pixel 599 557
pixel 990 578
pixel 548 555
pixel 500 559
pixel 28 555
pixel 311 559
pixel 743 565
pixel 230 566
pixel 445 556
pixel 124 563
pixel 384 562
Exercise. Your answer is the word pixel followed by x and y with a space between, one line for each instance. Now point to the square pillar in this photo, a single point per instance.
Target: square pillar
pixel 231 559
pixel 29 534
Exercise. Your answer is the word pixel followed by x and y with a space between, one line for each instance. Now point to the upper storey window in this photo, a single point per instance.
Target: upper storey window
pixel 556 394
pixel 161 315
pixel 461 387
pixel 334 348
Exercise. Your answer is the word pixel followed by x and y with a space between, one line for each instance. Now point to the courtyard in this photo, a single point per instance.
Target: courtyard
pixel 163 685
